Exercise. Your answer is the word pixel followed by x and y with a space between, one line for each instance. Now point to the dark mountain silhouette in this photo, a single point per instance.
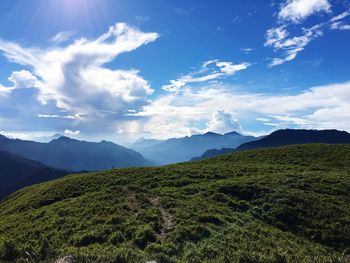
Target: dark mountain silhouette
pixel 285 137
pixel 290 136
pixel 69 154
pixel 17 172
pixel 183 149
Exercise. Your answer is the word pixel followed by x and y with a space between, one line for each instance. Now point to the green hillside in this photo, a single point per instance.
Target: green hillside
pixel 289 204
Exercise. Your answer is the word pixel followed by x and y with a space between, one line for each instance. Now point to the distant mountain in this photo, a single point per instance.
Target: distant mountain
pixel 47 138
pixel 142 142
pixel 17 172
pixel 183 149
pixel 213 153
pixel 290 136
pixel 69 154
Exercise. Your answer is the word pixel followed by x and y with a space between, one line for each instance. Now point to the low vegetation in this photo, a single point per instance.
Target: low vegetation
pixel 289 204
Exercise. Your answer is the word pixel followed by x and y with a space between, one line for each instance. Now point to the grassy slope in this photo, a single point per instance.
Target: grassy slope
pixel 289 204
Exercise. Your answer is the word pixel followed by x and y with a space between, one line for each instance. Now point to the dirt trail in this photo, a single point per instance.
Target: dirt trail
pixel 166 216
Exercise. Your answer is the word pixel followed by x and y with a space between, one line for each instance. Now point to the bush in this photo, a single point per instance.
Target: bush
pixel 144 235
pixel 117 238
pixel 88 239
pixel 8 250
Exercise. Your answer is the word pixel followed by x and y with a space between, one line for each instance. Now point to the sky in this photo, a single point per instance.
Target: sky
pixel 124 69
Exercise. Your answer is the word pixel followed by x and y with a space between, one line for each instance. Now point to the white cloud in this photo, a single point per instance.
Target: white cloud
pixel 222 122
pixel 340 26
pixel 184 113
pixel 280 40
pixel 228 68
pixel 338 23
pixel 297 10
pixel 74 76
pixel 72 117
pixel 20 79
pixel 5 90
pixel 210 70
pixel 247 50
pixel 340 16
pixel 69 132
pixel 23 79
pixel 62 36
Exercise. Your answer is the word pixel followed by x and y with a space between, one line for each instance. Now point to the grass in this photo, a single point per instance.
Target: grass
pixel 289 204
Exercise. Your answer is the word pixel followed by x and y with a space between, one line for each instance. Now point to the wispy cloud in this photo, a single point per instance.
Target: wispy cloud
pixel 62 37
pixel 210 70
pixel 294 12
pixel 338 23
pixel 247 50
pixel 280 39
pixel 56 116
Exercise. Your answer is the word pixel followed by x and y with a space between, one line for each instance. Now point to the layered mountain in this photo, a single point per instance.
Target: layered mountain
pixel 17 172
pixel 70 154
pixel 291 136
pixel 183 149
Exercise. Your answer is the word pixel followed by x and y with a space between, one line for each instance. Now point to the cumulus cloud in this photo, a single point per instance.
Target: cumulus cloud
pixel 73 87
pixel 74 76
pixel 23 79
pixel 296 11
pixel 210 70
pixel 184 112
pixel 223 122
pixel 20 79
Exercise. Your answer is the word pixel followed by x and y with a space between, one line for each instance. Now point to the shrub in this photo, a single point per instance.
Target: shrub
pixel 8 250
pixel 143 235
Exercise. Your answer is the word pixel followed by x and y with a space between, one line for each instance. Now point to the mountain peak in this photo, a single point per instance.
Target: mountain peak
pixel 232 133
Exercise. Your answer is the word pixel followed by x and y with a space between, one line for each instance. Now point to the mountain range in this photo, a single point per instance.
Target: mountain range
pixel 17 172
pixel 285 137
pixel 183 149
pixel 74 155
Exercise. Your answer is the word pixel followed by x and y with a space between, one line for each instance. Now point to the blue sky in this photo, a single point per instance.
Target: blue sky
pixel 121 69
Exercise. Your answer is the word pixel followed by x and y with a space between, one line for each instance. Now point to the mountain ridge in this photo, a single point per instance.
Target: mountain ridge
pixel 17 172
pixel 75 155
pixel 182 149
pixel 284 137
